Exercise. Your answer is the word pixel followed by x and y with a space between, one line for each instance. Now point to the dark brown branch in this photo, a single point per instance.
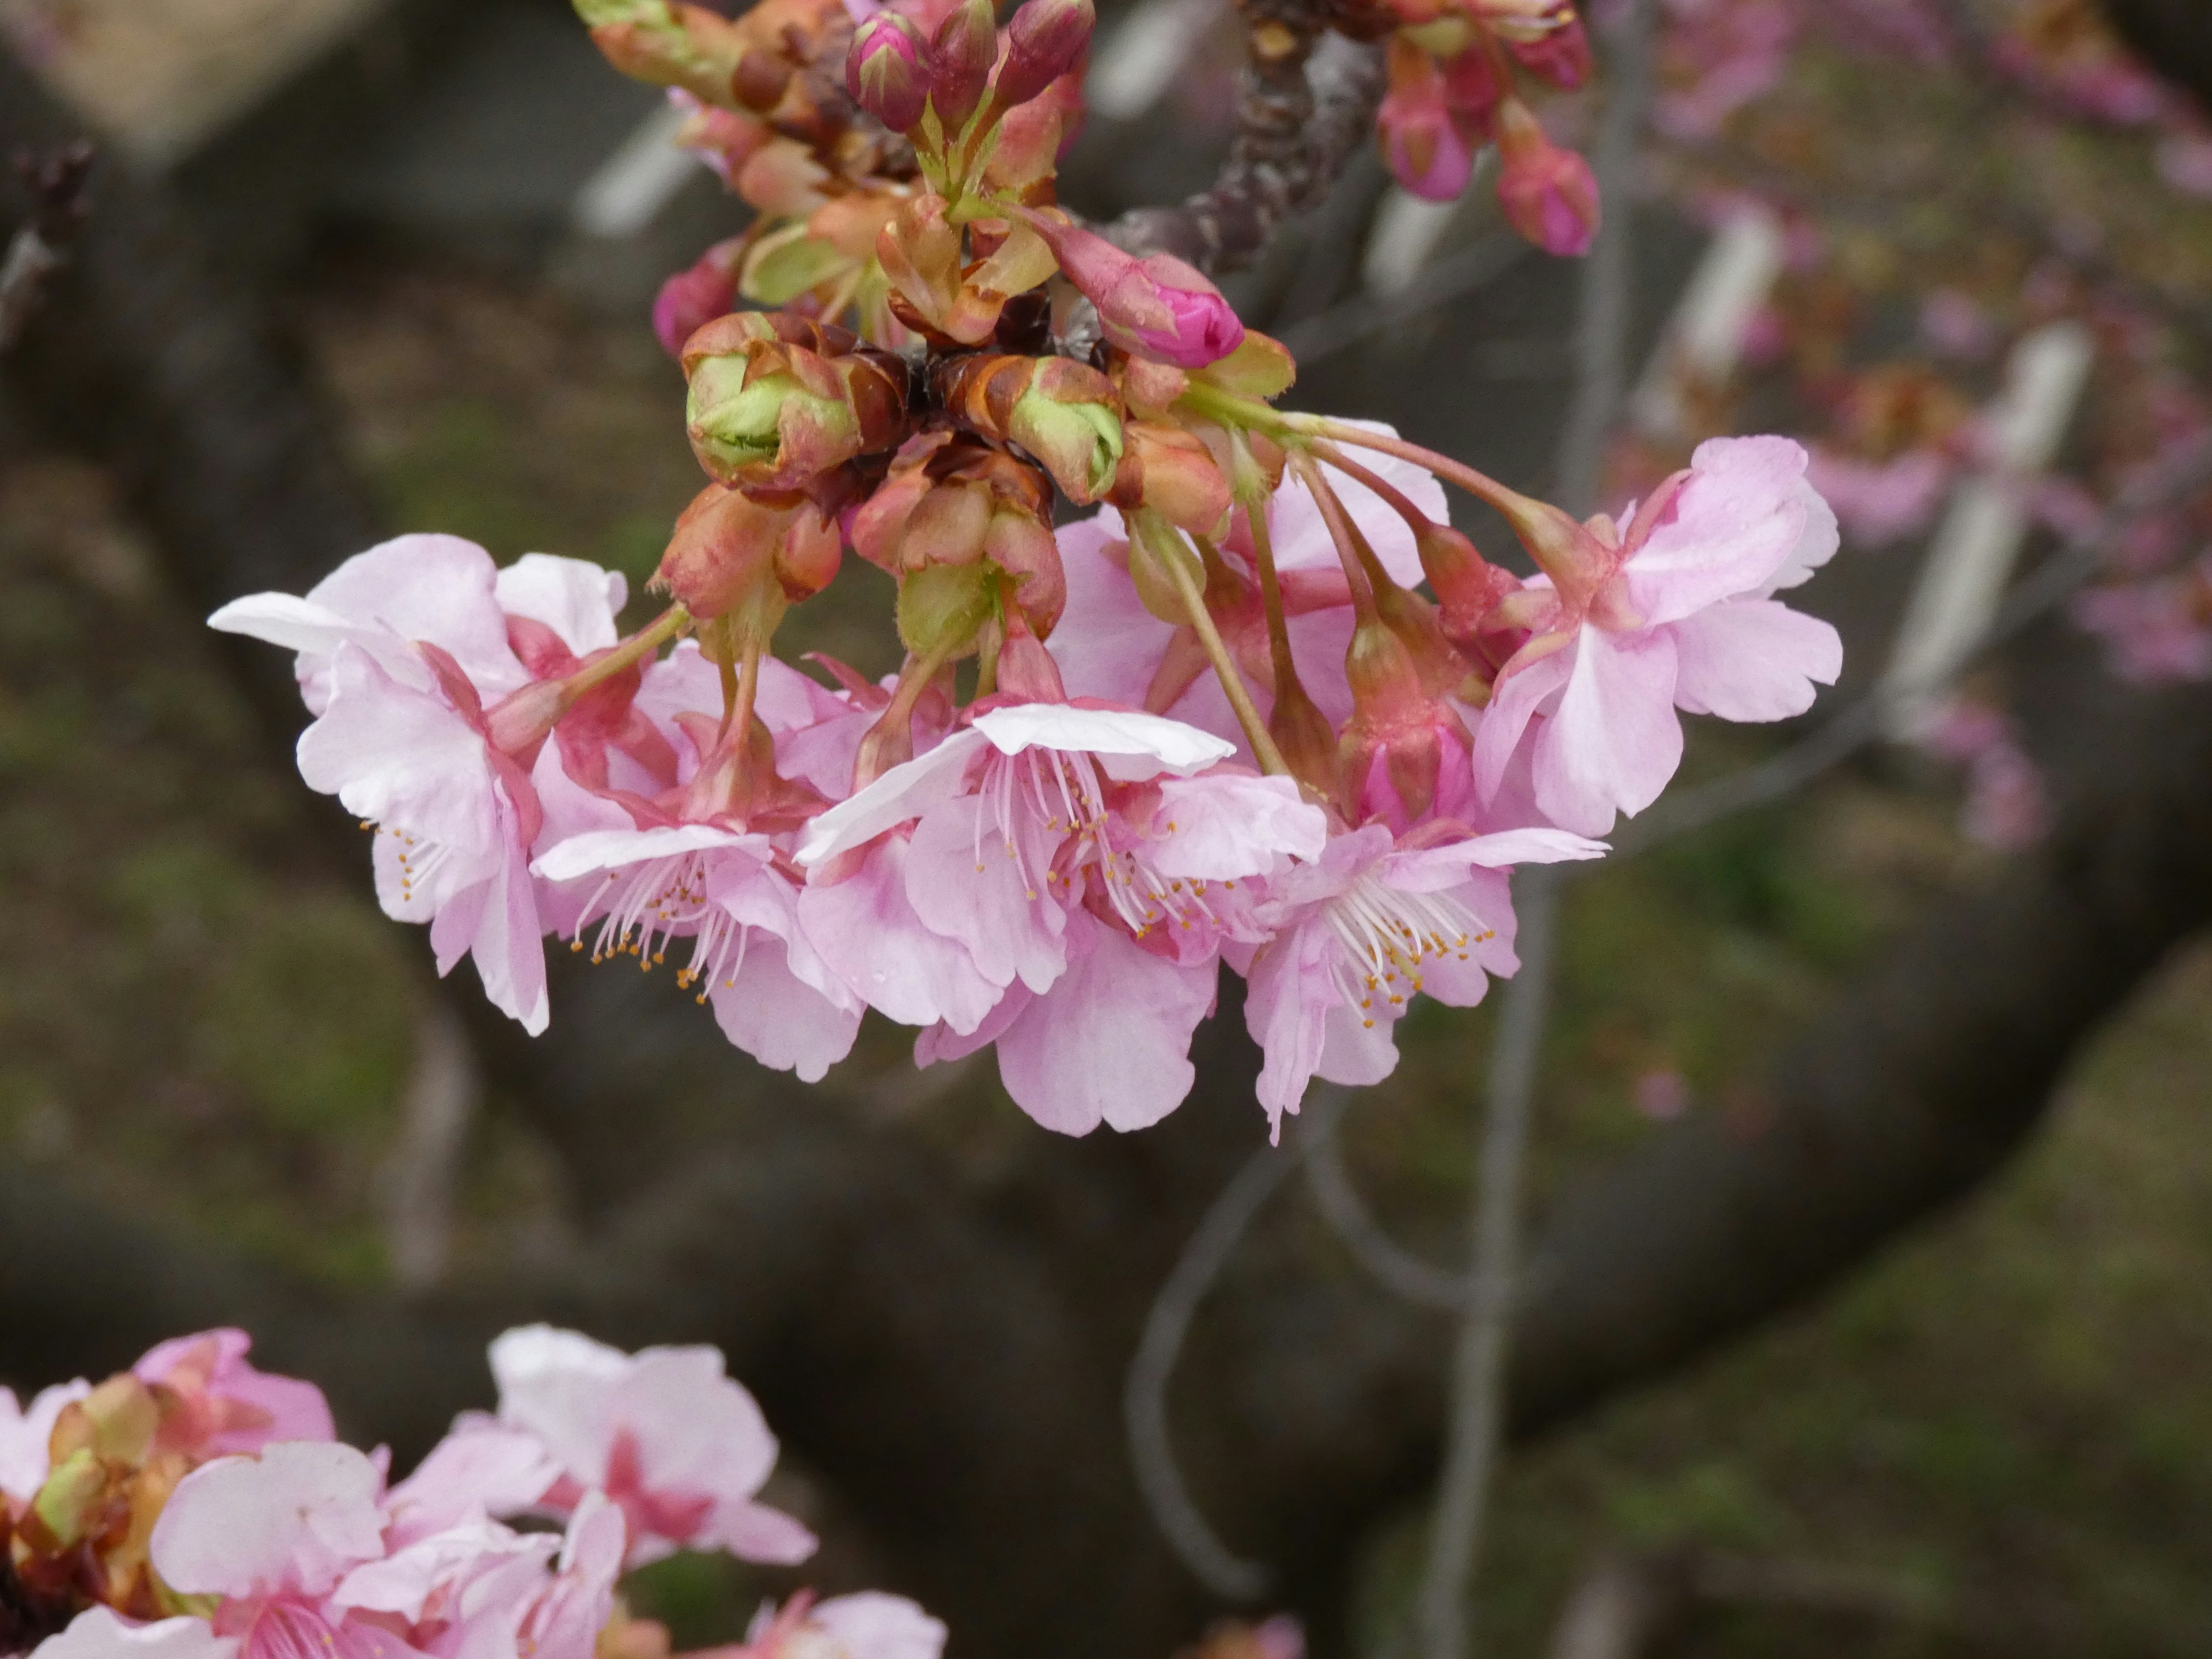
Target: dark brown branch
pixel 1303 111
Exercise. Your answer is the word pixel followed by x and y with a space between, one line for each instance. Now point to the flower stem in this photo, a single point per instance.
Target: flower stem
pixel 664 627
pixel 1225 666
pixel 1480 485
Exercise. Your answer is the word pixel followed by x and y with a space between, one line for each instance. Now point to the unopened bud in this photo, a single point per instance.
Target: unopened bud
pixel 1161 565
pixel 724 546
pixel 887 72
pixel 1168 470
pixel 669 45
pixel 807 557
pixel 1549 194
pixel 1469 586
pixel 1026 669
pixel 1043 42
pixel 769 413
pixel 960 58
pixel 942 609
pixel 1065 413
pixel 1393 721
pixel 1157 306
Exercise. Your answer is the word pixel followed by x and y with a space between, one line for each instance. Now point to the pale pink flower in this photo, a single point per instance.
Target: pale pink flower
pixel 665 1433
pixel 1359 932
pixel 481 1471
pixel 26 1434
pixel 456 816
pixel 867 1626
pixel 720 890
pixel 275 1537
pixel 101 1634
pixel 1675 612
pixel 225 1404
pixel 436 590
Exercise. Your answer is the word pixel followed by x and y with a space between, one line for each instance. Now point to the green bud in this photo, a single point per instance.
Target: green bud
pixel 942 609
pixel 652 14
pixel 1080 443
pixel 741 432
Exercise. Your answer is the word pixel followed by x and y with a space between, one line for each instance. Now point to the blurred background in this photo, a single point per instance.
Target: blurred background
pixel 1871 1303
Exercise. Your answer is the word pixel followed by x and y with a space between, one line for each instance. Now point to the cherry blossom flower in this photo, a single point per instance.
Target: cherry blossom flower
pixel 223 1404
pixel 1676 612
pixel 1358 931
pixel 665 1433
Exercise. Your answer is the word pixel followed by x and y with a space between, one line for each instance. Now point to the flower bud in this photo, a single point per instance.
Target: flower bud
pixel 807 557
pixel 1157 306
pixel 724 547
pixel 1427 153
pixel 887 70
pixel 1467 586
pixel 1063 412
pixel 1026 670
pixel 692 299
pixel 1393 721
pixel 1043 42
pixel 1549 194
pixel 1170 469
pixel 669 45
pixel 1561 55
pixel 769 409
pixel 942 609
pixel 961 56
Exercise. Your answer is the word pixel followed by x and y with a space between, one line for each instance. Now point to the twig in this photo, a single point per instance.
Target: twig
pixel 1303 113
pixel 1476 1414
pixel 1397 1270
pixel 55 182
pixel 1144 1400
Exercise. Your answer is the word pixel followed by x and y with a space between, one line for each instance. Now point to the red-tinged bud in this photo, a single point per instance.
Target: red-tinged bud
pixel 1156 552
pixel 1428 153
pixel 1150 388
pixel 1157 306
pixel 1043 42
pixel 1560 55
pixel 669 45
pixel 1170 469
pixel 1024 546
pixel 777 400
pixel 724 548
pixel 1065 413
pixel 1026 670
pixel 888 71
pixel 692 299
pixel 961 57
pixel 807 557
pixel 1549 194
pixel 1394 745
pixel 1469 586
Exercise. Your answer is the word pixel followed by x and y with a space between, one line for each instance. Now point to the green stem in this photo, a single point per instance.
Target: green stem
pixel 663 629
pixel 1225 666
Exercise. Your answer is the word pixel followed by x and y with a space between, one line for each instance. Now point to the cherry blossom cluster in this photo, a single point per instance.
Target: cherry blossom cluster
pixel 194 1507
pixel 1264 707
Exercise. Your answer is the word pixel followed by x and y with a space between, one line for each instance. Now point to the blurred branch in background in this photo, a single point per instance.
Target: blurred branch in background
pixel 54 179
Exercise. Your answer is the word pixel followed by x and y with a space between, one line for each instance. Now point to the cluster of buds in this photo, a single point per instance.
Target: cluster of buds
pixel 1453 70
pixel 196 1508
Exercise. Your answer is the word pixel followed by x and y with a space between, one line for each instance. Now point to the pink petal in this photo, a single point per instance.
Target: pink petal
pixel 1110 1042
pixel 778 1017
pixel 1737 524
pixel 865 929
pixel 1615 740
pixel 576 600
pixel 1227 827
pixel 293 1520
pixel 967 881
pixel 99 1633
pixel 26 1434
pixel 874 1626
pixel 1754 660
pixel 1520 695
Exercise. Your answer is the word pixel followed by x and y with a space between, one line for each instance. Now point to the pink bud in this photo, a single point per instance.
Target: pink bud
pixel 692 299
pixel 1421 142
pixel 887 70
pixel 1043 42
pixel 1157 306
pixel 1548 193
pixel 961 57
pixel 1561 56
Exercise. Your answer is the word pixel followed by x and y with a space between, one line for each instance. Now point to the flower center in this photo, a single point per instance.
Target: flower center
pixel 1389 935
